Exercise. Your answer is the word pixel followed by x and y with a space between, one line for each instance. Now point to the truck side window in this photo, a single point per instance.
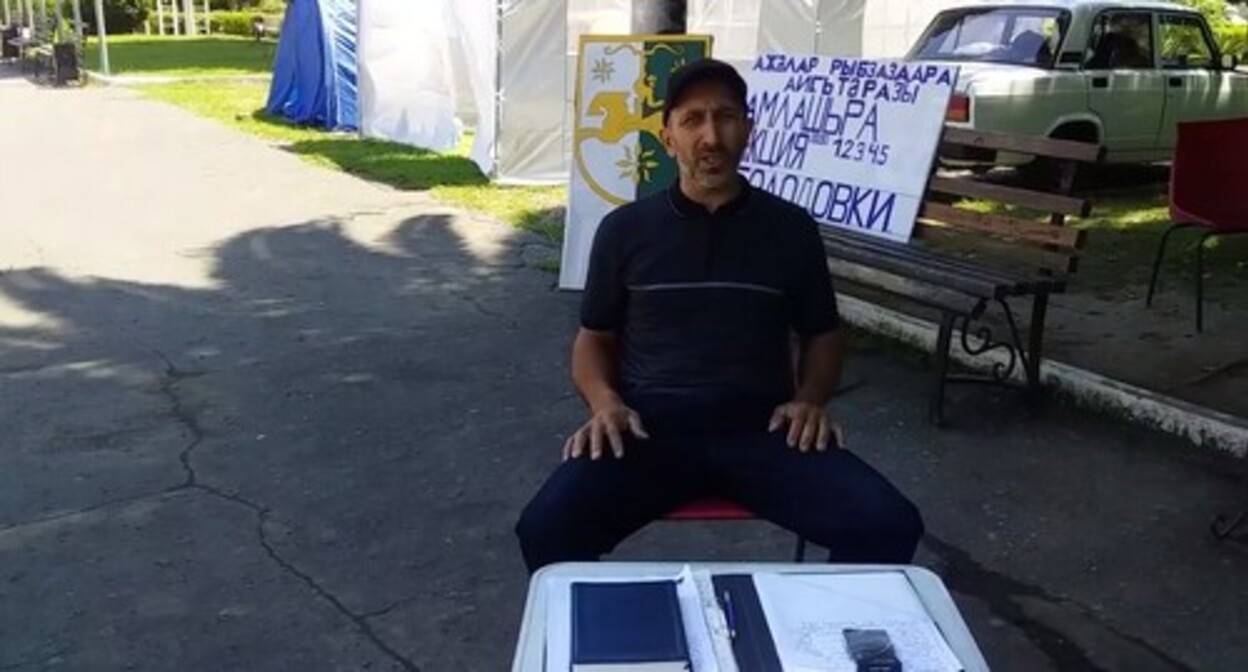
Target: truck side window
pixel 1122 40
pixel 1183 43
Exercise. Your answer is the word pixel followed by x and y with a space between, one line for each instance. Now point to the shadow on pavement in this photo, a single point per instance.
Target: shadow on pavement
pixel 315 459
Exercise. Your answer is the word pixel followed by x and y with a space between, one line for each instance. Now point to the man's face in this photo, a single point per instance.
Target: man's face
pixel 707 134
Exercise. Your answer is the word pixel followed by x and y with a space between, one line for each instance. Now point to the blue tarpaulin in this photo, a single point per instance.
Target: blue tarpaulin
pixel 314 74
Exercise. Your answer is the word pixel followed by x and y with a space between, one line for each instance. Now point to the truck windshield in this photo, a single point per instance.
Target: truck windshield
pixel 1016 35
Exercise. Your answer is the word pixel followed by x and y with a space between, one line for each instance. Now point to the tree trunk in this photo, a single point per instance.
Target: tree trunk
pixel 659 17
pixel 188 12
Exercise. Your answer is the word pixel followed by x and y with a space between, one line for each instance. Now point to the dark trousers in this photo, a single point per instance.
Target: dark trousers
pixel 833 498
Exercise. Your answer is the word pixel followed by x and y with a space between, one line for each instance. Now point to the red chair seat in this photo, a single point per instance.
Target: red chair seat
pixel 720 509
pixel 711 509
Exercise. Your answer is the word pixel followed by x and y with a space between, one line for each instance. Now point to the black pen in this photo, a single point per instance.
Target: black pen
pixel 730 615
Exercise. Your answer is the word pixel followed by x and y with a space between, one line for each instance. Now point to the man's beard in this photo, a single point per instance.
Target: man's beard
pixel 724 174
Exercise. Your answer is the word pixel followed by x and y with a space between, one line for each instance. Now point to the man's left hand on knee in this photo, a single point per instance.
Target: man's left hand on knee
pixel 810 426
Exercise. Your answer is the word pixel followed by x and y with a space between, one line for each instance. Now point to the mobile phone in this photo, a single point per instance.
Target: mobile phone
pixel 872 650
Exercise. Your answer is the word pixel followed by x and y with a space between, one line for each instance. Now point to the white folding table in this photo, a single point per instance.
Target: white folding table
pixel 531 643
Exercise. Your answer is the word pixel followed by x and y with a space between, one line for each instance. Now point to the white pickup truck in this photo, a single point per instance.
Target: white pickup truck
pixel 1119 72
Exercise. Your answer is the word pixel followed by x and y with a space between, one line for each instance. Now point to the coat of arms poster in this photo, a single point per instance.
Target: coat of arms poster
pixel 617 155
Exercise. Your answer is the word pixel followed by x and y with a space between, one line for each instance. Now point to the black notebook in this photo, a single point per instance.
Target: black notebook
pixel 753 646
pixel 628 627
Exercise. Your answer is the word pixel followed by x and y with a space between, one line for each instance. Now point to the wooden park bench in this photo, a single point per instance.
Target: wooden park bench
pixel 959 261
pixel 44 63
pixel 34 54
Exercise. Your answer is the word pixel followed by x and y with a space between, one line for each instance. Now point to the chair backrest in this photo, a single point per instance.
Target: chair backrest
pixel 1209 174
pixel 1020 225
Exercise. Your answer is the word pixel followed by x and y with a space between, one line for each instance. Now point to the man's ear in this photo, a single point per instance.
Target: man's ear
pixel 667 142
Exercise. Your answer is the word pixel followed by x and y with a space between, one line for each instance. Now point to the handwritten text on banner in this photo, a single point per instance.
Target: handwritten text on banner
pixel 850 140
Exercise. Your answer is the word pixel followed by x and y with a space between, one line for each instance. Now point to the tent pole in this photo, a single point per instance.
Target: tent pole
pixel 659 17
pixel 498 89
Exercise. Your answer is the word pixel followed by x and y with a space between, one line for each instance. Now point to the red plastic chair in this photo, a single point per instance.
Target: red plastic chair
pixel 719 509
pixel 1207 180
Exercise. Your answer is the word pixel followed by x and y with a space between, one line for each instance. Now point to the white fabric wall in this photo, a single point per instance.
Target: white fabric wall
pixel 460 50
pixel 744 28
pixel 741 29
pixel 406 90
pixel 788 26
pixel 890 27
pixel 508 67
pixel 533 91
pixel 475 50
pixel 841 26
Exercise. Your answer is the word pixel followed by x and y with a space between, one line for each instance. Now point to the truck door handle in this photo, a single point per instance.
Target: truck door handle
pixel 1100 82
pixel 1176 82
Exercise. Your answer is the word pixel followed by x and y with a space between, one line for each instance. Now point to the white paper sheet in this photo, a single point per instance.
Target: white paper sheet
pixel 702 651
pixel 705 614
pixel 808 612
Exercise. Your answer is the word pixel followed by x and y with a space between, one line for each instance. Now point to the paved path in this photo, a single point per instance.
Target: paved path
pixel 258 415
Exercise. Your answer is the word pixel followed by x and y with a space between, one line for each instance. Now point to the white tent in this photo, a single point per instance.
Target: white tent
pixel 507 67
pixel 879 28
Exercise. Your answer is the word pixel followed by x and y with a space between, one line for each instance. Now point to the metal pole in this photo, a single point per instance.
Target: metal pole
pixel 78 24
pixel 659 17
pixel 495 156
pixel 101 31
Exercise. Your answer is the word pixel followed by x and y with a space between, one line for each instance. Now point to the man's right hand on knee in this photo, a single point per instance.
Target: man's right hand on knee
pixel 606 427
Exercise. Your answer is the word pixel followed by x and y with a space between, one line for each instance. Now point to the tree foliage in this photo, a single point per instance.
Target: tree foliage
pixel 120 16
pixel 1232 38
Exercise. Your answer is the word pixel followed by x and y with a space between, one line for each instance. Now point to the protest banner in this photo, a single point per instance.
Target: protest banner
pixel 851 140
pixel 617 154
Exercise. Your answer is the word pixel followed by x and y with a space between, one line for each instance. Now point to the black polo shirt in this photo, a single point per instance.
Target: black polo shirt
pixel 705 303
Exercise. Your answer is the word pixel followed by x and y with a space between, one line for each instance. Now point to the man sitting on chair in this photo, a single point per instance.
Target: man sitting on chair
pixel 684 360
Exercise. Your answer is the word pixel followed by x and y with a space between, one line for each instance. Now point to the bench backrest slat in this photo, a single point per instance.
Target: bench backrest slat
pixel 1026 231
pixel 1072 150
pixel 1026 198
pixel 995 251
pixel 1023 225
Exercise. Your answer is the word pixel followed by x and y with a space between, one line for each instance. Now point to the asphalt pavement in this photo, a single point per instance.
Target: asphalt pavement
pixel 260 415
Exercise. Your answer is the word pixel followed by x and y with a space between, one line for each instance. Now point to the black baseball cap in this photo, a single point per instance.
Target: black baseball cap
pixel 702 70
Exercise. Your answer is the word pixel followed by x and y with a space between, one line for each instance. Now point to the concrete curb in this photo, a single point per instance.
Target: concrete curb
pixel 1204 427
pixel 139 80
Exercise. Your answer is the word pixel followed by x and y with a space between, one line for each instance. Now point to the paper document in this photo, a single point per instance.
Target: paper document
pixel 701 611
pixel 698 631
pixel 807 614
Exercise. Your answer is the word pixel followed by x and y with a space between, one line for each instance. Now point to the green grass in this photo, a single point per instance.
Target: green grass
pixel 450 177
pixel 183 56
